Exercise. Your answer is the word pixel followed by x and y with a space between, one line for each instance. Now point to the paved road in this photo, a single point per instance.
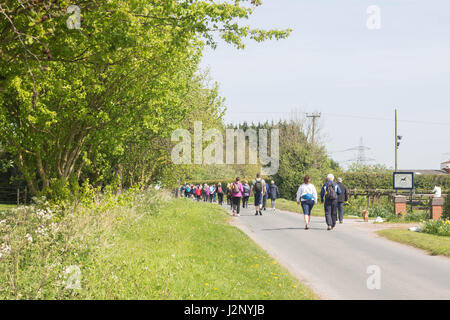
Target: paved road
pixel 334 263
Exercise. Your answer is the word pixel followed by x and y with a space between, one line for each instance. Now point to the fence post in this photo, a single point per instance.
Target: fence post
pixel 26 195
pixel 18 196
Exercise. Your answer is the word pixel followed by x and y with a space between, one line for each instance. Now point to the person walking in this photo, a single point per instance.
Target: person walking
pixel 236 194
pixel 329 196
pixel 258 189
pixel 205 193
pixel 228 194
pixel 246 194
pixel 212 190
pixel 198 193
pixel 265 196
pixel 307 197
pixel 273 194
pixel 220 193
pixel 342 199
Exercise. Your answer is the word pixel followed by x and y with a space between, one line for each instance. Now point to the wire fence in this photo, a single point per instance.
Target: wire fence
pixel 14 195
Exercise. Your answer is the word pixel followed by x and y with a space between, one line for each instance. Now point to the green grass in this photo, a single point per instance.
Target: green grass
pixel 435 245
pixel 187 251
pixel 7 206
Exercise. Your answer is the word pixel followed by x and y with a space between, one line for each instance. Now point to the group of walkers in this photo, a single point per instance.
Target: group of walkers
pixel 261 191
pixel 333 195
pixel 206 193
pixel 235 193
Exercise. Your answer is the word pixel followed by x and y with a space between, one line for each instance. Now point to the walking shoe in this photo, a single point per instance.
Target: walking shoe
pixel 260 212
pixel 329 228
pixel 256 213
pixel 341 222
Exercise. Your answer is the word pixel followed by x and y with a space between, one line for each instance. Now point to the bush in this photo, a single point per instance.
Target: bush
pixel 437 227
pixel 446 213
pixel 44 244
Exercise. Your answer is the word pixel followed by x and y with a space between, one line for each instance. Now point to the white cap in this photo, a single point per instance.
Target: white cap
pixel 330 177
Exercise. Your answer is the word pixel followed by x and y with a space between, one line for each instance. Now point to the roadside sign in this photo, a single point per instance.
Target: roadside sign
pixel 403 180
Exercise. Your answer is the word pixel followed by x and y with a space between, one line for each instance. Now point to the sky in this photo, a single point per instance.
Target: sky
pixel 355 75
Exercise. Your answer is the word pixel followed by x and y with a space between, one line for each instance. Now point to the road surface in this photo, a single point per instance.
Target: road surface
pixel 335 263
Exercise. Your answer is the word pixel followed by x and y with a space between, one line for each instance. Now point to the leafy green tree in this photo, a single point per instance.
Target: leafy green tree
pixel 73 102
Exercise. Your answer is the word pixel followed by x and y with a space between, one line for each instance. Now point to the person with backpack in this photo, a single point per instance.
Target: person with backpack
pixel 258 189
pixel 236 194
pixel 273 193
pixel 329 196
pixel 220 193
pixel 307 197
pixel 246 194
pixel 342 199
pixel 187 191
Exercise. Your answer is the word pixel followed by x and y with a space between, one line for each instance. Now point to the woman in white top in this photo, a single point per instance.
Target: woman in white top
pixel 307 197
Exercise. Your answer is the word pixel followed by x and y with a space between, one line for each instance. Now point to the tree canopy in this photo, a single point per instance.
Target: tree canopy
pixel 99 102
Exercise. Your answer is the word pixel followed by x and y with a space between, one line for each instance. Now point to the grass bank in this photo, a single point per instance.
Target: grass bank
pixel 153 249
pixel 7 206
pixel 435 245
pixel 189 251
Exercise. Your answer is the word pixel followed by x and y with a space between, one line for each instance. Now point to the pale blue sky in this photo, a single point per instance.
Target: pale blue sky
pixel 334 64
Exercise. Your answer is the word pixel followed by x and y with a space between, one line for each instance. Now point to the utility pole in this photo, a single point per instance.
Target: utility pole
pixel 396 140
pixel 314 117
pixel 396 144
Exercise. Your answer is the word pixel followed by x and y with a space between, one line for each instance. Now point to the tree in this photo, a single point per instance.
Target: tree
pixel 72 98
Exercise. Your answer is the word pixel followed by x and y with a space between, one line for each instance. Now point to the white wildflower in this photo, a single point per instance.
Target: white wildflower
pixel 29 237
pixel 5 249
pixel 42 231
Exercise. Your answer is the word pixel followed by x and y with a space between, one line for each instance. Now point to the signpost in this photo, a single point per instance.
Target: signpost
pixel 403 181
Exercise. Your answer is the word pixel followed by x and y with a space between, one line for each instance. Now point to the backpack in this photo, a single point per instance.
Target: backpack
pixel 246 190
pixel 198 192
pixel 236 188
pixel 219 190
pixel 258 186
pixel 188 190
pixel 331 193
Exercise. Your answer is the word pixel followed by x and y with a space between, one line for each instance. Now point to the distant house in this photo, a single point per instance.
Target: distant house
pixel 445 166
pixel 445 170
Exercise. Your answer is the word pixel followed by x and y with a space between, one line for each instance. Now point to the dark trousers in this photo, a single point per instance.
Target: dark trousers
pixel 264 202
pixel 331 212
pixel 236 204
pixel 341 211
pixel 220 196
pixel 245 202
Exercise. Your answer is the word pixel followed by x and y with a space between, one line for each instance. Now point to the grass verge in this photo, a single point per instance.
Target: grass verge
pixel 435 245
pixel 7 206
pixel 188 251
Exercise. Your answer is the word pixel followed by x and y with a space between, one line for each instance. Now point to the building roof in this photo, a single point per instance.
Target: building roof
pixel 427 172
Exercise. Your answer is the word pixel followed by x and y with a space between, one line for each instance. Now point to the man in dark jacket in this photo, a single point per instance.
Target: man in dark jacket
pixel 329 196
pixel 342 199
